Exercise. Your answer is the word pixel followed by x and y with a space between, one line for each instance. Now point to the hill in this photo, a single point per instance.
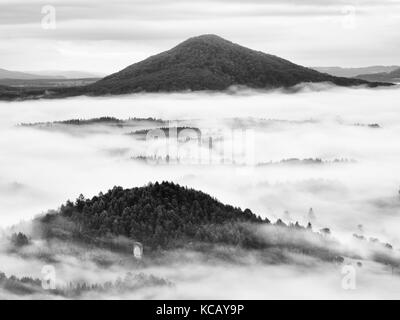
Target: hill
pixel 209 62
pixel 354 72
pixel 158 215
pixel 393 76
pixel 69 74
pixel 48 75
pixel 206 62
pixel 7 74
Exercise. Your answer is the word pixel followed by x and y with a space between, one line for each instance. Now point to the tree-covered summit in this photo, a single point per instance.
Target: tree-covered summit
pixel 159 215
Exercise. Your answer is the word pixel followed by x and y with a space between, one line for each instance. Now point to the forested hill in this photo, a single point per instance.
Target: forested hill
pixel 393 76
pixel 209 62
pixel 206 62
pixel 158 215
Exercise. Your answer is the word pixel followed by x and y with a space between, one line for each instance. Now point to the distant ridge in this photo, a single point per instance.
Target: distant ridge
pixel 354 72
pixel 7 74
pixel 68 74
pixel 48 74
pixel 393 76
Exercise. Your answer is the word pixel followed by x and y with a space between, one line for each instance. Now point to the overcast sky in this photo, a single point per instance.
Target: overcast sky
pixel 105 36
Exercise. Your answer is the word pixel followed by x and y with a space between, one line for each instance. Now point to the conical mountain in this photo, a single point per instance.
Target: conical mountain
pixel 209 62
pixel 206 62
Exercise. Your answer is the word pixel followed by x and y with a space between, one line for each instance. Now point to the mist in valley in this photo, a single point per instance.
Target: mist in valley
pixel 345 143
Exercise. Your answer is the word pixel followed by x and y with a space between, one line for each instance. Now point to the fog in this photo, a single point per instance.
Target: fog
pixel 245 275
pixel 355 184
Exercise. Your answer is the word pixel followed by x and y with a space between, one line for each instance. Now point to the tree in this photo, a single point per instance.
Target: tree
pixel 19 239
pixel 158 215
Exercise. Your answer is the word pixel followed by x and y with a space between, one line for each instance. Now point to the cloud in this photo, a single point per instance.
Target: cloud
pixel 42 168
pixel 137 29
pixel 316 125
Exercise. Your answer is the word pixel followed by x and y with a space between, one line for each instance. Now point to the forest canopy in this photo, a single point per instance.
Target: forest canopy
pixel 160 215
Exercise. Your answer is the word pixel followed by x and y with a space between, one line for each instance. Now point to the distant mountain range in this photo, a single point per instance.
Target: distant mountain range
pixel 354 72
pixel 207 62
pixel 7 74
pixel 60 74
pixel 393 76
pixel 36 75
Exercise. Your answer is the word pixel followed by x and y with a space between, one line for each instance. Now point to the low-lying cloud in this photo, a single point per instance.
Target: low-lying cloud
pixel 40 168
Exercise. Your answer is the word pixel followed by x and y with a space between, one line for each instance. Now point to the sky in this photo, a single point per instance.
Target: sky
pixel 106 36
